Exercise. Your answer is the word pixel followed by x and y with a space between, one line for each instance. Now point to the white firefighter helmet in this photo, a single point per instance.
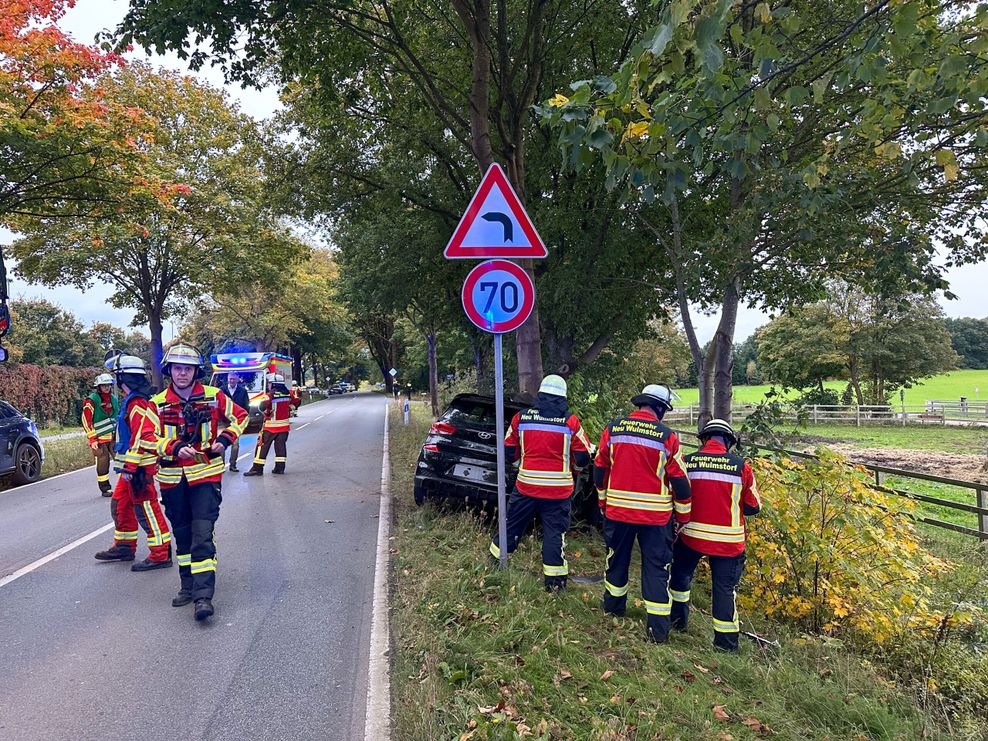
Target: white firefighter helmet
pixel 553 384
pixel 275 378
pixel 103 379
pixel 655 394
pixel 721 428
pixel 181 354
pixel 123 363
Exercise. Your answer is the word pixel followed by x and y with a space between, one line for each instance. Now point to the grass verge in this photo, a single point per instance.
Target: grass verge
pixel 483 654
pixel 970 440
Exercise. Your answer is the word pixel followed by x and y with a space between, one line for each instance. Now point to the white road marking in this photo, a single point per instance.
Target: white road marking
pixel 53 555
pixel 302 427
pixel 377 722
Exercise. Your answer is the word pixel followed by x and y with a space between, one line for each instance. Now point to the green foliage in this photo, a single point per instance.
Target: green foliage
pixel 801 348
pixel 969 338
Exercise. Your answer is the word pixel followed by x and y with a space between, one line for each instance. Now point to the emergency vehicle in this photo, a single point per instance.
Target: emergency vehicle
pixel 252 367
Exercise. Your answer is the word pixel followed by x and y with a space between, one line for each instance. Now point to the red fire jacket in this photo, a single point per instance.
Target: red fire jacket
pixel 277 407
pixel 639 472
pixel 724 490
pixel 209 405
pixel 142 418
pixel 545 446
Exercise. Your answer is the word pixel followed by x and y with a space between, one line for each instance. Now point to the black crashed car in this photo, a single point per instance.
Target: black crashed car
pixel 458 460
pixel 21 450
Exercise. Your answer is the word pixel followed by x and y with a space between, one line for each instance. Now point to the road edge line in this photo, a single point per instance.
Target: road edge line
pixel 377 721
pixel 53 555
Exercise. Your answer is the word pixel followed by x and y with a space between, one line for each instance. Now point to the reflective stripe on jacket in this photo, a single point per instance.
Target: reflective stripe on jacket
pixel 142 448
pixel 545 446
pixel 639 455
pixel 277 408
pixel 210 405
pixel 722 483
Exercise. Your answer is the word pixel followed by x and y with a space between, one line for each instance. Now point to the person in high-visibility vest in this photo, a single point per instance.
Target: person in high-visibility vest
pixel 724 493
pixel 276 407
pixel 99 421
pixel 641 483
pixel 190 450
pixel 550 443
pixel 135 500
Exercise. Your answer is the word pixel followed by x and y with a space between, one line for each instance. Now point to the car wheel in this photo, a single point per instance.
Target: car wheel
pixel 419 493
pixel 27 464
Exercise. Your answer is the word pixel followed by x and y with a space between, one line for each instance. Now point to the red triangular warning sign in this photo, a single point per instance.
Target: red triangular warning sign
pixel 495 224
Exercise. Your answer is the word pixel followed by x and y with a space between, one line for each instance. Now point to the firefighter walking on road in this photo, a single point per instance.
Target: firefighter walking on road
pixel 190 450
pixel 277 408
pixel 550 442
pixel 135 500
pixel 724 493
pixel 99 420
pixel 641 482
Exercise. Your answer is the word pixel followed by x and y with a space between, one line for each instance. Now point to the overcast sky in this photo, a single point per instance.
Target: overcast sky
pixel 89 17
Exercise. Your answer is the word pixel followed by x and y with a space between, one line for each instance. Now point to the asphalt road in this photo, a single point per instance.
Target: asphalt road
pixel 90 650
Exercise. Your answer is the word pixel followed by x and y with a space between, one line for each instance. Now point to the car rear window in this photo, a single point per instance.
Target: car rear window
pixel 475 413
pixel 7 411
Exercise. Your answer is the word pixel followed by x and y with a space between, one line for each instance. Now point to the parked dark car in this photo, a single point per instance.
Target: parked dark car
pixel 21 449
pixel 458 460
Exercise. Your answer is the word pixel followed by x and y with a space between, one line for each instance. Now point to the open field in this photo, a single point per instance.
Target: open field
pixel 484 654
pixel 970 383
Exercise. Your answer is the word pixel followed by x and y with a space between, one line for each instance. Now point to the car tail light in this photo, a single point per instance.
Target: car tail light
pixel 432 448
pixel 442 428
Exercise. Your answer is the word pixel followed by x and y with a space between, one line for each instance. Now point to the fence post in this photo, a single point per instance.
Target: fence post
pixel 814 413
pixel 857 415
pixel 691 415
pixel 983 518
pixel 878 478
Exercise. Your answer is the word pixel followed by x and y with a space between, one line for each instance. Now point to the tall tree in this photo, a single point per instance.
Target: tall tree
pixel 46 334
pixel 791 142
pixel 474 66
pixel 212 231
pixel 969 338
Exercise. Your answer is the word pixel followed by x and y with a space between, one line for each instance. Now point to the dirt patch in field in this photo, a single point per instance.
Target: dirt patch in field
pixel 951 465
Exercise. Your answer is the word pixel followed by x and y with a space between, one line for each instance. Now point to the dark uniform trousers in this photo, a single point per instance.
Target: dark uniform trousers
pixel 555 516
pixel 193 510
pixel 725 572
pixel 655 544
pixel 264 440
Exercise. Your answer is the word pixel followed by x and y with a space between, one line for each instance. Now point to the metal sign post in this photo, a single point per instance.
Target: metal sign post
pixel 502 503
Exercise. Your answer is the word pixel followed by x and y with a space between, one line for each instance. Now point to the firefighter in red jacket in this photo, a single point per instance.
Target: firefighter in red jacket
pixel 549 441
pixel 277 407
pixel 190 450
pixel 724 493
pixel 99 419
pixel 135 500
pixel 641 482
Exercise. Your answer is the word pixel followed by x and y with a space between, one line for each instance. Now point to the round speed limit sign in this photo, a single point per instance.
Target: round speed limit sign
pixel 498 296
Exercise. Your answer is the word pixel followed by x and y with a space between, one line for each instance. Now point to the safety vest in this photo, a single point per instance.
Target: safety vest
pixel 545 445
pixel 640 455
pixel 721 484
pixel 195 422
pixel 277 411
pixel 98 424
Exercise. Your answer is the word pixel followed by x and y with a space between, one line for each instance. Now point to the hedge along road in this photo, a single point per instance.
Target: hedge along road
pixel 92 651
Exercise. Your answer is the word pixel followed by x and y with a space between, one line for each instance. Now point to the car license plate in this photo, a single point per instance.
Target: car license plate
pixel 470 473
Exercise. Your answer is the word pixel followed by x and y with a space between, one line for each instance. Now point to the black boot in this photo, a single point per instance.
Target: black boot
pixel 278 468
pixel 148 565
pixel 204 608
pixel 255 470
pixel 105 489
pixel 181 599
pixel 233 467
pixel 116 553
pixel 555 583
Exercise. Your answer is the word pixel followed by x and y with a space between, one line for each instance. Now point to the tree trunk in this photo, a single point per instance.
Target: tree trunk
pixel 157 347
pixel 724 342
pixel 298 370
pixel 853 373
pixel 430 340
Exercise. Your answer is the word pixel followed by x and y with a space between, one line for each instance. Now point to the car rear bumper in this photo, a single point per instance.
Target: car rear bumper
pixel 443 488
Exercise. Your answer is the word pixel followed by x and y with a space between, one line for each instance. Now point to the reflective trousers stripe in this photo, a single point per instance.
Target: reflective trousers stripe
pixel 199 567
pixel 727 626
pixel 615 591
pixel 104 478
pixel 679 596
pixel 125 534
pixel 184 559
pixel 658 608
pixel 550 570
pixel 495 551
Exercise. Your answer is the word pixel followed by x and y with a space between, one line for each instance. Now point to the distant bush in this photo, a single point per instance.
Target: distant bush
pixel 823 397
pixel 49 394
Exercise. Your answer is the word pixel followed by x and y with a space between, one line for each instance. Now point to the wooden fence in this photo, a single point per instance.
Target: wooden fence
pixel 932 412
pixel 980 489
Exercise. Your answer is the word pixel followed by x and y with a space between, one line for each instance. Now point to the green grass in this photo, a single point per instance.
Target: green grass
pixel 483 654
pixel 970 440
pixel 946 386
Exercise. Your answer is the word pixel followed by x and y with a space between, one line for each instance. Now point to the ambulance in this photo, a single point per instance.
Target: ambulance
pixel 253 368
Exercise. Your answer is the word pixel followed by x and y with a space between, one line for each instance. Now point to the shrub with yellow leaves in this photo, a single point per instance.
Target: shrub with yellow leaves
pixel 830 554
